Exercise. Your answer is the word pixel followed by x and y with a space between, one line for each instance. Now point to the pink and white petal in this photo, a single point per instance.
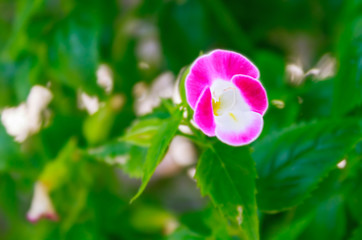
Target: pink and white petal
pixel 41 204
pixel 238 128
pixel 253 93
pixel 228 63
pixel 203 116
pixel 217 65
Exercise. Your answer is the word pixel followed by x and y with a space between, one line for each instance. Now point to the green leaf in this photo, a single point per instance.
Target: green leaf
pixel 227 175
pixel 9 150
pixel 348 82
pixel 291 163
pixel 322 216
pixel 105 117
pixel 150 219
pixel 57 171
pixel 207 224
pixel 182 78
pixel 291 230
pixel 158 148
pixel 124 154
pixel 357 234
pixel 142 131
pixel 182 233
pixel 73 52
pixel 329 220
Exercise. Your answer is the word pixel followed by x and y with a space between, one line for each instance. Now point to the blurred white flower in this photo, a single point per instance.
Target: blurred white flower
pixel 129 4
pixel 295 73
pixel 41 204
pixel 149 50
pixel 105 78
pixel 191 173
pixel 26 119
pixel 342 164
pixel 89 103
pixel 148 98
pixel 324 69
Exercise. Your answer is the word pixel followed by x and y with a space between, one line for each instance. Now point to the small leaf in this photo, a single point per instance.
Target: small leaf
pixel 142 132
pixel 227 175
pixel 290 164
pixel 182 78
pixel 128 156
pixel 158 149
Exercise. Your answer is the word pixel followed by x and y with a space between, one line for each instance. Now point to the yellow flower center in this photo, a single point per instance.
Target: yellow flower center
pixel 216 107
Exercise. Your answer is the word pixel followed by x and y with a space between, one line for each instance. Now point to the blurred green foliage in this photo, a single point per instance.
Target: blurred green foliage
pixel 313 120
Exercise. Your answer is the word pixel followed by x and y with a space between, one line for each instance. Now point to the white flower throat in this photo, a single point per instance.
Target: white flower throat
pixel 225 98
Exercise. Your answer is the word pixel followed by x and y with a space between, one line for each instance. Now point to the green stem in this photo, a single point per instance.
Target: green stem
pixel 194 139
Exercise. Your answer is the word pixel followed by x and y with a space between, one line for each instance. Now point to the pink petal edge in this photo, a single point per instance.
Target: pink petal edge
pixel 253 92
pixel 50 216
pixel 248 135
pixel 203 116
pixel 218 64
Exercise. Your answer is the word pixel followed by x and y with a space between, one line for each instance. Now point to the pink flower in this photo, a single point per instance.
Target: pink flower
pixel 228 100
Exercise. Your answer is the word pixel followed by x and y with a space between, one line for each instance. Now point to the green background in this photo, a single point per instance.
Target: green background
pixel 300 192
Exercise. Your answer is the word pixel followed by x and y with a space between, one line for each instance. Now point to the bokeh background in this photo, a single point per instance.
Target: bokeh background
pixel 97 65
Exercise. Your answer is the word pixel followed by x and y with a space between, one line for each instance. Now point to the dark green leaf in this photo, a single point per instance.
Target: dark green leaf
pixel 322 216
pixel 73 52
pixel 348 82
pixel 291 163
pixel 357 234
pixel 9 151
pixel 227 175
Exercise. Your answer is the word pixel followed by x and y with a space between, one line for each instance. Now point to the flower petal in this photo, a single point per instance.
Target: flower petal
pixel 203 116
pixel 41 205
pixel 238 128
pixel 253 93
pixel 217 65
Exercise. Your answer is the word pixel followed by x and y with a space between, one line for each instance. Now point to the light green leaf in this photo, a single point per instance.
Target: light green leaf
pixel 57 172
pixel 182 233
pixel 181 81
pixel 227 175
pixel 142 131
pixel 207 224
pixel 291 163
pixel 158 149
